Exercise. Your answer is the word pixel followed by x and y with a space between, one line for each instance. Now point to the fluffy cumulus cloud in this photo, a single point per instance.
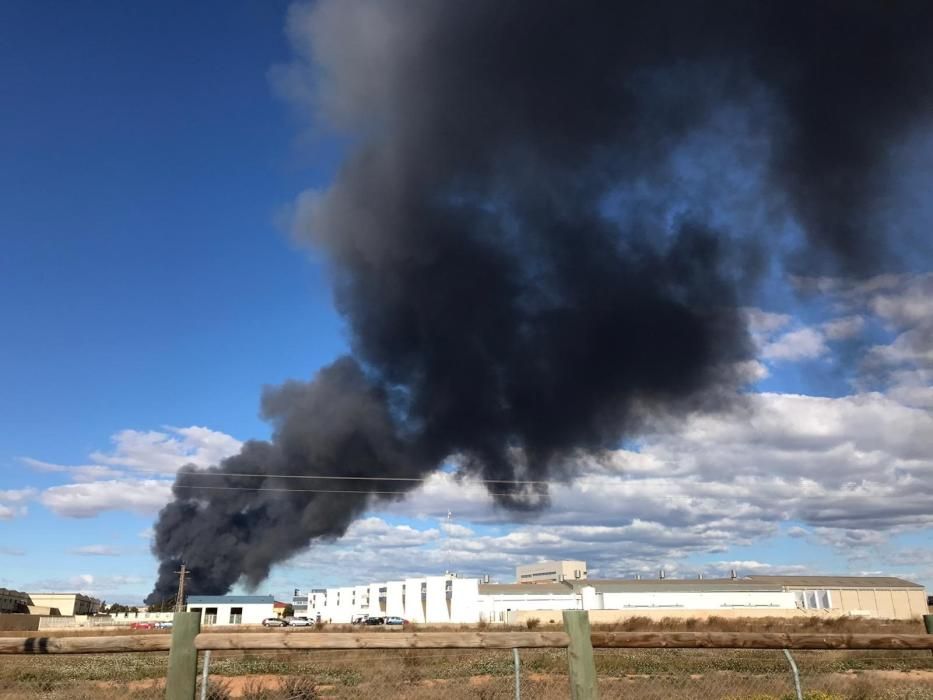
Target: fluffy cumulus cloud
pixel 166 451
pixel 13 502
pixel 852 471
pixel 86 500
pixel 127 477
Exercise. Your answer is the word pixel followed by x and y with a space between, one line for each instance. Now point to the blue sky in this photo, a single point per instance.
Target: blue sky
pixel 147 287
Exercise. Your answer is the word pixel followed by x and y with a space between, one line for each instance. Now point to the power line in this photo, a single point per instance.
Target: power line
pixel 399 492
pixel 332 477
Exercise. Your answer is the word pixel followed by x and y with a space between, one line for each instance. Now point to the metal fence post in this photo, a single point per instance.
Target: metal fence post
pixel 205 670
pixel 793 668
pixel 580 656
pixel 518 674
pixel 182 680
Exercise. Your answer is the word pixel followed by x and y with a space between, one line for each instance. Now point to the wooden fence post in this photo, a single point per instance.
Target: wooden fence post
pixel 182 680
pixel 580 656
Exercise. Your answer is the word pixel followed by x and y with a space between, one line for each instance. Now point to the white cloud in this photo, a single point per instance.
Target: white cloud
pixel 87 500
pixel 82 472
pixel 853 470
pixel 13 502
pixel 765 323
pixel 843 328
pixel 96 550
pixel 800 344
pixel 108 483
pixel 168 451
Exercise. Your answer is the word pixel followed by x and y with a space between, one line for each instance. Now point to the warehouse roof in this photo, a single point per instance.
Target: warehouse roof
pixel 681 585
pixel 838 581
pixel 229 599
pixel 525 589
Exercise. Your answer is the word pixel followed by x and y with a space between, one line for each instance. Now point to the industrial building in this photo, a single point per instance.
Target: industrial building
pixel 231 609
pixel 64 604
pixel 67 604
pixel 454 599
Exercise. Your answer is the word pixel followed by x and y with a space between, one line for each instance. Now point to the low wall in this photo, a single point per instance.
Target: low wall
pixel 28 623
pixel 605 617
pixel 76 621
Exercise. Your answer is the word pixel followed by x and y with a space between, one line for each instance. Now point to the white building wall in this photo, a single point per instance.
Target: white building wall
pixel 376 599
pixel 394 605
pixel 465 600
pixel 414 606
pixel 253 613
pixel 698 600
pixel 361 599
pixel 495 608
pixel 436 600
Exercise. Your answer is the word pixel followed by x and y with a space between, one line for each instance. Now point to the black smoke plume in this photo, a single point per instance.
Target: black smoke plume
pixel 547 219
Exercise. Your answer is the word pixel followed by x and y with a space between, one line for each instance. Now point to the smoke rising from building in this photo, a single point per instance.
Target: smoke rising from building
pixel 548 218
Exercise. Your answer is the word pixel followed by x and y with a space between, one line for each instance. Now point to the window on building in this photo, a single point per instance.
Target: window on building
pixel 236 616
pixel 813 600
pixel 210 616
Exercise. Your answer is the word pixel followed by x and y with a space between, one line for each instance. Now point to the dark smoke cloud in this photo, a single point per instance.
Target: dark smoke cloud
pixel 547 219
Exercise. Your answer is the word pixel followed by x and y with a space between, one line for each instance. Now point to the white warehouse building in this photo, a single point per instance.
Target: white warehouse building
pixel 231 609
pixel 454 599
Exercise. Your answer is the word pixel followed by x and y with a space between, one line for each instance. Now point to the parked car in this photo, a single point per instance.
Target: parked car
pixel 375 621
pixel 298 622
pixel 274 622
pixel 167 625
pixel 142 626
pixel 395 621
pixel 359 619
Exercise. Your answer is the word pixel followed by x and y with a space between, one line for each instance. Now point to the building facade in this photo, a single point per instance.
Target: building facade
pixel 67 604
pixel 452 599
pixel 13 601
pixel 224 610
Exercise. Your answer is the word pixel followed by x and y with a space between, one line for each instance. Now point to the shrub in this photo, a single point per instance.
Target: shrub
pixel 298 688
pixel 217 690
pixel 532 623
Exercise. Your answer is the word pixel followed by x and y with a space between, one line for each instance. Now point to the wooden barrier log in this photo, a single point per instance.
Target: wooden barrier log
pixel 85 645
pixel 216 641
pixel 758 640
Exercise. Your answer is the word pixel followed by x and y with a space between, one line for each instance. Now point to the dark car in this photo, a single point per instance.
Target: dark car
pixel 375 621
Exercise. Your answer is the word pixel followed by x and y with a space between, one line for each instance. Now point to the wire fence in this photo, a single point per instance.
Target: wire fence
pixel 646 674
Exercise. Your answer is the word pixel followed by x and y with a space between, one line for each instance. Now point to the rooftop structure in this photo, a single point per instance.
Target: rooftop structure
pixel 548 571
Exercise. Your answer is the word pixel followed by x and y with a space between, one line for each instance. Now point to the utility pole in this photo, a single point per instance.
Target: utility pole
pixel 180 598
